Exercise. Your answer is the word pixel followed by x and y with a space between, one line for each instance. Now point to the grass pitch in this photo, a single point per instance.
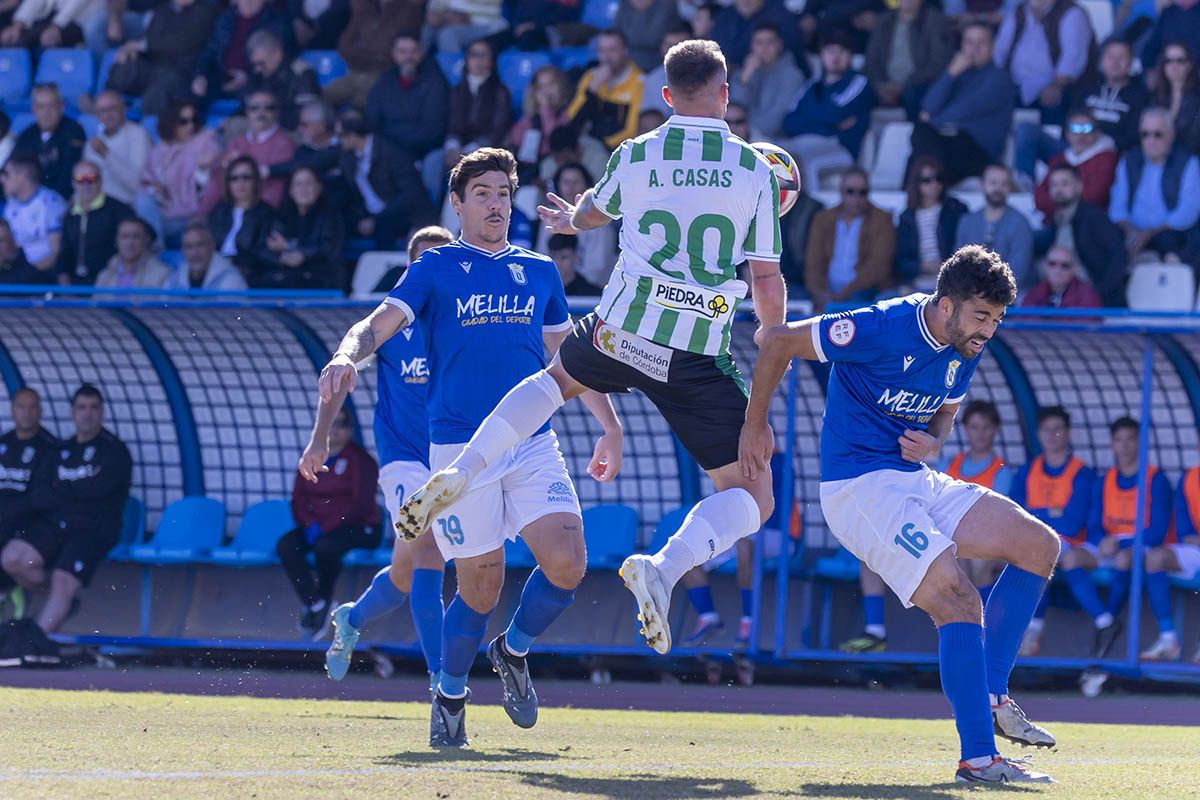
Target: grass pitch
pixel 76 744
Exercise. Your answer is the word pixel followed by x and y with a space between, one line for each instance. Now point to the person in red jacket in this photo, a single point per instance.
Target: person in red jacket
pixel 1093 155
pixel 1061 286
pixel 333 516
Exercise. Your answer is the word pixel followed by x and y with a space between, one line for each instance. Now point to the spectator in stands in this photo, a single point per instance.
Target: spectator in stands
pixel 565 252
pixel 1061 286
pixel 855 17
pixel 179 169
pixel 926 234
pixel 1177 89
pixel 1045 45
pixel 112 23
pixel 203 267
pixel 596 249
pixel 795 228
pixel 8 137
pixel 134 266
pixel 82 510
pixel 1156 197
pixel 367 45
pixel 120 148
pixel 644 23
pixel 55 140
pixel 733 27
pixel 386 195
pixel 966 114
pixel 544 111
pixel 1178 22
pixel 1180 559
pixel 1056 487
pixel 28 454
pixel 737 117
pixel 14 267
pixel 767 82
pixel 33 212
pixel 704 19
pixel 480 110
pixel 567 146
pixel 1111 527
pixel 1093 155
pixel 1000 227
pixel 850 248
pixel 46 23
pixel 265 142
pixel 306 239
pixel 452 25
pixel 832 115
pixel 333 516
pixel 907 51
pixel 1095 242
pixel 223 69
pixel 89 230
pixel 609 96
pixel 159 66
pixel 654 80
pixel 241 222
pixel 292 82
pixel 317 24
pixel 1114 96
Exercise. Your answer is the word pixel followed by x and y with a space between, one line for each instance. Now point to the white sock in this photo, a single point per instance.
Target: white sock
pixel 998 699
pixel 1103 621
pixel 518 415
pixel 1169 636
pixel 878 631
pixel 979 761
pixel 711 527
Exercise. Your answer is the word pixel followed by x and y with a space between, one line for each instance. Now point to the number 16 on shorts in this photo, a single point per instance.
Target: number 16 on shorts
pixel 915 542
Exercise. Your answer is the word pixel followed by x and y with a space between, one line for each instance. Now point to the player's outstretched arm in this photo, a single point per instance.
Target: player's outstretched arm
pixel 363 338
pixel 316 452
pixel 562 217
pixel 769 294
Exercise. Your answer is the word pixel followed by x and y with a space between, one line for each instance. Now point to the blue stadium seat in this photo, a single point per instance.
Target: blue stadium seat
pixel 516 70
pixel 841 566
pixel 569 58
pixel 328 64
pixel 517 555
pixel 106 64
pixel 20 121
pixel 220 109
pixel 188 531
pixel 599 13
pixel 133 528
pixel 70 68
pixel 670 522
pixel 172 258
pixel 254 544
pixel 16 75
pixel 452 66
pixel 150 123
pixel 610 532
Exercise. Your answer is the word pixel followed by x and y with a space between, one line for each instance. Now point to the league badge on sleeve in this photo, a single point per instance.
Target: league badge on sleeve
pixel 841 332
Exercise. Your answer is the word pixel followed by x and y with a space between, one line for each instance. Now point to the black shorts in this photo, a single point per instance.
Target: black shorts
pixel 76 552
pixel 702 398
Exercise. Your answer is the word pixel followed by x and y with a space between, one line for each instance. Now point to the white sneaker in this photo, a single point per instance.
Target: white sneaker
pixel 423 505
pixel 1001 770
pixel 654 601
pixel 1165 648
pixel 1092 681
pixel 1012 724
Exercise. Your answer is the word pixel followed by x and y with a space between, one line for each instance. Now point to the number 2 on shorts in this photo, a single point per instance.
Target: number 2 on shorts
pixel 912 540
pixel 451 529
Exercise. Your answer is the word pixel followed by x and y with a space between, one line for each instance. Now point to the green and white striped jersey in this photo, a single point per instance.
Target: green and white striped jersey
pixel 697 201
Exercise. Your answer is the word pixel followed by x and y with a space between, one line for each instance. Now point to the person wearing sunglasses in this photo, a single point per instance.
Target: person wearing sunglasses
pixel 1177 89
pixel 1156 197
pixel 89 235
pixel 178 170
pixel 264 141
pixel 1083 229
pixel 1061 285
pixel 925 235
pixel 1093 155
pixel 851 247
pixel 292 81
pixel 241 223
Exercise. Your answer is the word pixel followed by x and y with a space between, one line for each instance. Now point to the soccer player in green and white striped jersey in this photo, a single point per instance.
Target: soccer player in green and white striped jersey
pixel 697 201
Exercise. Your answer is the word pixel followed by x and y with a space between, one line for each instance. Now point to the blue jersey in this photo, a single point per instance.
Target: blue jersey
pixel 889 376
pixel 483 315
pixel 402 389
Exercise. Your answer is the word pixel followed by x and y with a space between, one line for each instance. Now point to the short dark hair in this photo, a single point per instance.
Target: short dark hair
pixel 198 226
pixel 430 233
pixel 146 227
pixel 483 160
pixel 1053 412
pixel 38 397
pixel 244 160
pixel 1122 423
pixel 575 165
pixel 837 37
pixel 615 33
pixel 87 390
pixel 353 122
pixel 692 65
pixel 1063 166
pixel 975 271
pixel 980 24
pixel 561 241
pixel 26 162
pixel 1110 41
pixel 997 165
pixel 168 120
pixel 985 407
pixel 766 26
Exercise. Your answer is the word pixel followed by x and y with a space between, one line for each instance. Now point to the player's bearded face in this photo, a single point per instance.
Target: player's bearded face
pixel 967 335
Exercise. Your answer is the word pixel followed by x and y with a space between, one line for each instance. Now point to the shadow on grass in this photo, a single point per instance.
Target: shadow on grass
pixel 667 787
pixel 880 791
pixel 451 754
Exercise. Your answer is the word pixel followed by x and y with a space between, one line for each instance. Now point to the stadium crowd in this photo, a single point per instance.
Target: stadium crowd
pixel 210 123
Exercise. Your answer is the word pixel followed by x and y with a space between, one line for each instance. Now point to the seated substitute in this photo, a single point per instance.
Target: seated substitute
pixel 1180 559
pixel 27 455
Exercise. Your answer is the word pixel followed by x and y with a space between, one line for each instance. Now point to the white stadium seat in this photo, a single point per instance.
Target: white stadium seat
pixel 372 266
pixel 1100 12
pixel 1161 287
pixel 895 144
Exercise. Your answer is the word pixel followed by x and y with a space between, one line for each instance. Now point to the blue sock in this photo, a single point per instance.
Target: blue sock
pixel 1118 593
pixel 747 603
pixel 379 598
pixel 873 609
pixel 985 591
pixel 462 631
pixel 1084 589
pixel 964 680
pixel 427 613
pixel 1010 606
pixel 1043 604
pixel 541 603
pixel 1158 589
pixel 701 598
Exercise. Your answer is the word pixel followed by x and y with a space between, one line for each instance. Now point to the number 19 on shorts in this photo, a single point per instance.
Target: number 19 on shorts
pixel 915 542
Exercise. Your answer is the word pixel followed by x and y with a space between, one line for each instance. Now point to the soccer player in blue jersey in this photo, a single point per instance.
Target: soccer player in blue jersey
pixel 402 440
pixel 900 370
pixel 486 310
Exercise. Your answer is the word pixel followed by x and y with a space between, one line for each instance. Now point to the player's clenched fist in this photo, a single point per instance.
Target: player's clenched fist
pixel 755 446
pixel 606 460
pixel 339 375
pixel 917 446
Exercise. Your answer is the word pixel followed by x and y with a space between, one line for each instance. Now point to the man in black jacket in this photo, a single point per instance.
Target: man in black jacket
pixel 55 140
pixel 318 148
pixel 293 82
pixel 27 459
pixel 89 232
pixel 409 104
pixel 14 266
pixel 79 522
pixel 1087 231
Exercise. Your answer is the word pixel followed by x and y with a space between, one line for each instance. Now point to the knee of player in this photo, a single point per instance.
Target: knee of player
pixel 955 598
pixel 1045 545
pixel 1156 559
pixel 483 593
pixel 565 568
pixel 1123 559
pixel 766 507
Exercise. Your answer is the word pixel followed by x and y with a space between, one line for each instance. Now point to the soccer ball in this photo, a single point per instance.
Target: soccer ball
pixel 786 173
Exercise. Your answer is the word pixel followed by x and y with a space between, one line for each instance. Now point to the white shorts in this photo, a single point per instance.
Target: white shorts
pixel 397 480
pixel 1189 560
pixel 898 522
pixel 524 485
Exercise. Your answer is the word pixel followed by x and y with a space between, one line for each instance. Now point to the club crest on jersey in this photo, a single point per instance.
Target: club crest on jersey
pixel 27 455
pixel 518 273
pixel 89 453
pixel 952 372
